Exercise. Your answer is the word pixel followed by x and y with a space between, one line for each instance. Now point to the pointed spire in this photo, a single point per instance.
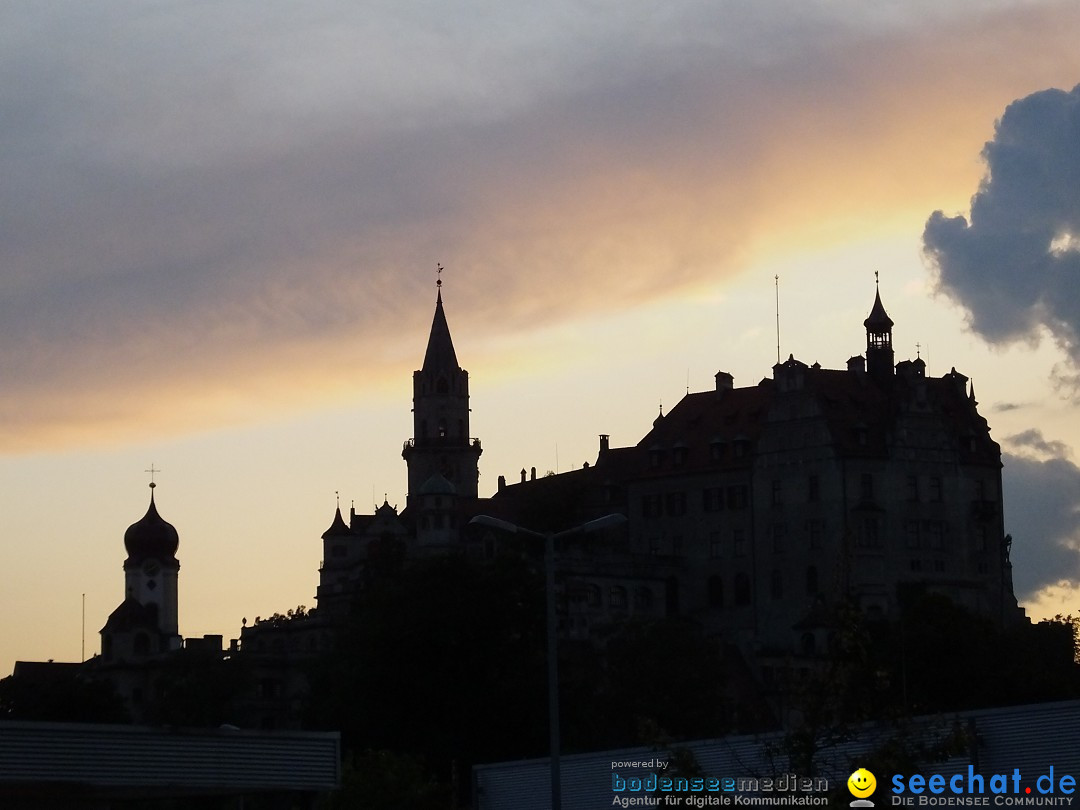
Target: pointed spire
pixel 879 320
pixel 338 527
pixel 440 352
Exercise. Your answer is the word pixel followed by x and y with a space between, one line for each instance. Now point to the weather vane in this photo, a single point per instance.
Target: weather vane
pixel 438 272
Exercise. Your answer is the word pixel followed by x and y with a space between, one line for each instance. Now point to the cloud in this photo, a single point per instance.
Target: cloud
pixel 210 213
pixel 1033 440
pixel 1014 263
pixel 1042 502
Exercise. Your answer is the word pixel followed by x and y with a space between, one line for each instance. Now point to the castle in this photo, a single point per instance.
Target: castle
pixel 751 510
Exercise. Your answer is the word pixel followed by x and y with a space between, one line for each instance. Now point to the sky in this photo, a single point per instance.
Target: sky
pixel 220 222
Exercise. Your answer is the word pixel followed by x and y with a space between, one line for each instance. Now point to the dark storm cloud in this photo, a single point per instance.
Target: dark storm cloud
pixel 1014 265
pixel 1043 503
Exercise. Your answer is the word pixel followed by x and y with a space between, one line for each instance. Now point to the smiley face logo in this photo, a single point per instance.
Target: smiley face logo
pixel 861 783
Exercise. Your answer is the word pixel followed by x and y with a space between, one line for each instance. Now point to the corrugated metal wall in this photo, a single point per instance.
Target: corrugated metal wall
pixel 1031 738
pixel 132 757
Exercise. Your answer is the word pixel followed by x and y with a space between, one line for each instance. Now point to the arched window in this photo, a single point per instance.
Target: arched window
pixel 716 591
pixel 811 580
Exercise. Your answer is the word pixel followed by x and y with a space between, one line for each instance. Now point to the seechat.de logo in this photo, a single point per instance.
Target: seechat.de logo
pixel 862 784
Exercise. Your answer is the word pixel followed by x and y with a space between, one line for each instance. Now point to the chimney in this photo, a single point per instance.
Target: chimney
pixel 605 442
pixel 502 483
pixel 532 473
pixel 856 364
pixel 724 382
pixel 523 475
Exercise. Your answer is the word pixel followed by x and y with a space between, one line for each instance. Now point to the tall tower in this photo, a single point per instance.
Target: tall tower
pixel 151 570
pixel 146 622
pixel 879 350
pixel 441 443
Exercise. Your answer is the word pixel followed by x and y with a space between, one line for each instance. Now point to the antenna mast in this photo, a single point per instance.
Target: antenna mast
pixel 776 280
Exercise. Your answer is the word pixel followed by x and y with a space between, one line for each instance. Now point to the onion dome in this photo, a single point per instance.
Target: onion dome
pixel 152 536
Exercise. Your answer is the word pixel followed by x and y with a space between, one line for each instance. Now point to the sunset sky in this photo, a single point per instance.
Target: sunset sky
pixel 221 221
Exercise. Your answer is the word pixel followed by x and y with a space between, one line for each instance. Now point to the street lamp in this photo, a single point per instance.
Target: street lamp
pixel 549 539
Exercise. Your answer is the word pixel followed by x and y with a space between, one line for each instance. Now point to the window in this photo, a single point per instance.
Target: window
pixel 592 595
pixel 813 489
pixel 654 546
pixel 866 488
pixel 738 496
pixel 815 529
pixel 677 545
pixel 777 498
pixel 678 456
pixel 911 534
pixel 676 503
pixel 617 596
pixel 716 545
pixel 776 585
pixel 712 499
pixel 742 589
pixel 716 591
pixel 913 488
pixel 651 505
pixel 738 542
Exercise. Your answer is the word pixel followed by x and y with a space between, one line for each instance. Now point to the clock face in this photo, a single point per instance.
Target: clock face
pixel 151 568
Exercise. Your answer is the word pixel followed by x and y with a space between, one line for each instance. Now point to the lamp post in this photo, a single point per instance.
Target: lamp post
pixel 549 539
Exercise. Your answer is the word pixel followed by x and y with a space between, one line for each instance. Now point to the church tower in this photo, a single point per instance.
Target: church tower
pixel 146 622
pixel 441 444
pixel 879 350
